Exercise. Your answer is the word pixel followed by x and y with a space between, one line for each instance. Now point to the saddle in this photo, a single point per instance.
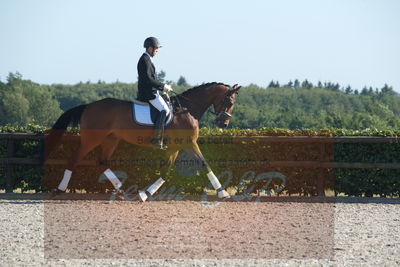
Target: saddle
pixel 145 114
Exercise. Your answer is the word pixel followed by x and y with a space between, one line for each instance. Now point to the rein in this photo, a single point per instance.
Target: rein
pixel 184 97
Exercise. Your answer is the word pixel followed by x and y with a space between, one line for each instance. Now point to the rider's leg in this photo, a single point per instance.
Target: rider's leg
pixel 159 103
pixel 159 130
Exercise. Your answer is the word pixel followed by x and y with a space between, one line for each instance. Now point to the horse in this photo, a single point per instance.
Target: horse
pixel 105 122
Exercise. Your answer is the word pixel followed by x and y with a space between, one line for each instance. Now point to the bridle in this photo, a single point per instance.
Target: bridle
pixel 225 102
pixel 224 115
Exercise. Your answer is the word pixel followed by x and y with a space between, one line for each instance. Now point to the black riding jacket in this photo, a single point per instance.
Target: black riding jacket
pixel 147 85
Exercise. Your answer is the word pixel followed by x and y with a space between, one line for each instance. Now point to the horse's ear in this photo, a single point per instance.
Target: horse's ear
pixel 237 88
pixel 234 87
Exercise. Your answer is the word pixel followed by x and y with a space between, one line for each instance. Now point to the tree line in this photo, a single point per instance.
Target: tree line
pixel 294 105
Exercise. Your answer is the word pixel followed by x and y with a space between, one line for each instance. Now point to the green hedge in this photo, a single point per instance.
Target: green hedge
pixel 26 177
pixel 222 156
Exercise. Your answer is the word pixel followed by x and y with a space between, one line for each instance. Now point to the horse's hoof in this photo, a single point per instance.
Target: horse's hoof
pixel 117 193
pixel 223 194
pixel 142 196
pixel 55 192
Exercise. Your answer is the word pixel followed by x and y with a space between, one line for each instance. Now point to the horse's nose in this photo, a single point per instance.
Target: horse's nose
pixel 222 124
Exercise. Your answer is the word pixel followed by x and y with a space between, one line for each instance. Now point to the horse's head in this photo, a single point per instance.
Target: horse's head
pixel 223 105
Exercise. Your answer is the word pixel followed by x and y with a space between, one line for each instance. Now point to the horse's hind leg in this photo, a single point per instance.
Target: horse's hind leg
pixel 107 149
pixel 88 143
pixel 165 169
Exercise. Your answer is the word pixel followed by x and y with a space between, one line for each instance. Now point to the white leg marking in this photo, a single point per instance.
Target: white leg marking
pixel 154 187
pixel 142 196
pixel 64 182
pixel 113 178
pixel 214 180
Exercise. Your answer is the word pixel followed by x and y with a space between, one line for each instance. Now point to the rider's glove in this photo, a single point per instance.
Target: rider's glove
pixel 167 87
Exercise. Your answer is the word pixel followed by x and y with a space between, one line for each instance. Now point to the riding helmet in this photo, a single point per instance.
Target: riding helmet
pixel 151 41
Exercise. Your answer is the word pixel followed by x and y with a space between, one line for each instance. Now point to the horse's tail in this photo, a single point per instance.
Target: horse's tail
pixel 73 116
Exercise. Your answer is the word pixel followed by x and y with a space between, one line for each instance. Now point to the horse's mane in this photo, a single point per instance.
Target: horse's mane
pixel 191 90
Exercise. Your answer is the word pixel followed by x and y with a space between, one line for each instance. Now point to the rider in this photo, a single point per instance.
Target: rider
pixel 149 88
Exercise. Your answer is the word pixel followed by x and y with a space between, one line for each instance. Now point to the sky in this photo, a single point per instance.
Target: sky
pixel 351 42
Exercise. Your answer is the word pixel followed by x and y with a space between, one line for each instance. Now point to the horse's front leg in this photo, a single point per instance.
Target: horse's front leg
pixel 165 169
pixel 221 192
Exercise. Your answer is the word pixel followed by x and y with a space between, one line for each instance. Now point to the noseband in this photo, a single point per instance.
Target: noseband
pixel 226 104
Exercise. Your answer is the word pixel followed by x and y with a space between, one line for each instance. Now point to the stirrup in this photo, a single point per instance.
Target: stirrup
pixel 157 143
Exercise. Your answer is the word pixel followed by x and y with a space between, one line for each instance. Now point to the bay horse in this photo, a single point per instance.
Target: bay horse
pixel 105 122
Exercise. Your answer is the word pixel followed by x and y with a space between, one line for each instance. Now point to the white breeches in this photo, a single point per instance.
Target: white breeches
pixel 160 104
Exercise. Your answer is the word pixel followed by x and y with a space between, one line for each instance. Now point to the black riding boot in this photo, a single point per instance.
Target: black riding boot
pixel 159 130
